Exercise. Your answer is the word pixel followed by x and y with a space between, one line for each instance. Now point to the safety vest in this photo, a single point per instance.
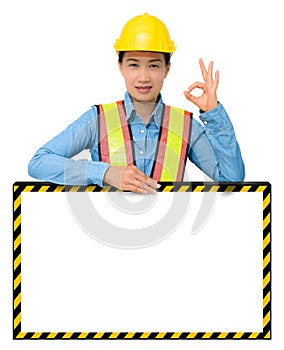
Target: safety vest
pixel 116 142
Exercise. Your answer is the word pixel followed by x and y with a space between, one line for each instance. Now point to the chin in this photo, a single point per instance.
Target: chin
pixel 145 99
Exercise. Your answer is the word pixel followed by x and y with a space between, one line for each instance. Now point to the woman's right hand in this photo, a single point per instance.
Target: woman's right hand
pixel 130 178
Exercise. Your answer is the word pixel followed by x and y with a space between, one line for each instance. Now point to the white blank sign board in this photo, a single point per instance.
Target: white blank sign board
pixel 194 263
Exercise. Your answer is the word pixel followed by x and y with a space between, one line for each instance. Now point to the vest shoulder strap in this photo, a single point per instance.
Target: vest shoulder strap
pixel 172 149
pixel 115 138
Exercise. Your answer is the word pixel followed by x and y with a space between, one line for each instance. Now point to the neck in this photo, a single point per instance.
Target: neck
pixel 144 109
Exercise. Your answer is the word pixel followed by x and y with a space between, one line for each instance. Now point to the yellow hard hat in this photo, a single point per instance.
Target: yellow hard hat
pixel 145 33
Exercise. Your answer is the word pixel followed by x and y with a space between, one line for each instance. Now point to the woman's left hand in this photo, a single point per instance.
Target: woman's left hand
pixel 208 99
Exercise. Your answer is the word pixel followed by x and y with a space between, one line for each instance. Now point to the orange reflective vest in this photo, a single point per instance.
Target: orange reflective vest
pixel 116 143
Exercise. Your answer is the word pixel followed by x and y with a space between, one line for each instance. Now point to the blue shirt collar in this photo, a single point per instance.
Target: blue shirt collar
pixel 156 115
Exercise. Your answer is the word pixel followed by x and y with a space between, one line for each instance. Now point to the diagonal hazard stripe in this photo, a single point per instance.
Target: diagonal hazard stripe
pixel 199 189
pixel 74 189
pixel 214 189
pixel 17 202
pixel 223 335
pixel 90 189
pixel 17 320
pixel 114 335
pixel 245 189
pixel 59 189
pixel 17 281
pixel 43 188
pixel 52 335
pixel 17 301
pixel 266 201
pixel 266 260
pixel 168 189
pixel 230 188
pixel 238 335
pixel 176 335
pixel 192 335
pixel 145 335
pixel 17 261
pixel 28 189
pixel 21 335
pixel 183 188
pixel 266 299
pixel 207 335
pixel 17 242
pixel 266 240
pixel 83 335
pixel 261 189
pixel 67 335
pixel 254 335
pixel 266 280
pixel 130 335
pixel 267 336
pixel 99 335
pixel 161 335
pixel 37 335
pixel 106 189
pixel 266 221
pixel 266 319
pixel 17 222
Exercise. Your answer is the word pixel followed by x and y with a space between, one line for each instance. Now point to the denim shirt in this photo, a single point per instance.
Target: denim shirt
pixel 213 148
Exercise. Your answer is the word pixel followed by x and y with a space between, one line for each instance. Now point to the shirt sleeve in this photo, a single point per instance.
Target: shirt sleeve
pixel 213 146
pixel 55 161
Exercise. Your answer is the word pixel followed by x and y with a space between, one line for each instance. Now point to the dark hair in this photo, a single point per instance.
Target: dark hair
pixel 166 54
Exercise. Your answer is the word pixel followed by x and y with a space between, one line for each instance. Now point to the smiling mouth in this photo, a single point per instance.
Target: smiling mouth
pixel 143 89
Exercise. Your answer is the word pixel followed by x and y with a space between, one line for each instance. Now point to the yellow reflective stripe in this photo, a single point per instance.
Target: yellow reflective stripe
pixel 116 145
pixel 174 144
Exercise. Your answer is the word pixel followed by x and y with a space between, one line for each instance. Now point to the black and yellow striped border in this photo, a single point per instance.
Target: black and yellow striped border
pixel 263 187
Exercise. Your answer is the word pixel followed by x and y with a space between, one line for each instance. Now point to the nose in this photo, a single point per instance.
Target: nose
pixel 144 75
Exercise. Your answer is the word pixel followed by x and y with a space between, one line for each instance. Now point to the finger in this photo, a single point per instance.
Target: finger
pixel 196 85
pixel 203 69
pixel 149 185
pixel 142 177
pixel 136 180
pixel 149 189
pixel 190 97
pixel 135 189
pixel 216 81
pixel 210 70
pixel 152 183
pixel 133 185
pixel 140 187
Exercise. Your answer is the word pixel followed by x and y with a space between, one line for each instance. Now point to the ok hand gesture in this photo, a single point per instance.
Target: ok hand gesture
pixel 208 99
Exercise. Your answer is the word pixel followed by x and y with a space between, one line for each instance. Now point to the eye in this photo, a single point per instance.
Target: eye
pixel 154 65
pixel 133 65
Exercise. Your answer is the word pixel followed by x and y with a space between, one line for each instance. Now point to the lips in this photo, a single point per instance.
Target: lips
pixel 143 89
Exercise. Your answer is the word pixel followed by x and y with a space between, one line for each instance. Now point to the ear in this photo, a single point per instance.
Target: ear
pixel 167 69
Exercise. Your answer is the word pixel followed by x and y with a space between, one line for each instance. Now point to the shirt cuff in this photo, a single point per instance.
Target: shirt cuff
pixel 96 172
pixel 216 119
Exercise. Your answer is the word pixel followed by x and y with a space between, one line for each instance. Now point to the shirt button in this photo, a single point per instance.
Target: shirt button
pixel 141 153
pixel 142 131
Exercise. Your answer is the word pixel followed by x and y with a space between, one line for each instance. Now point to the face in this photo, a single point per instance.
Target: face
pixel 144 74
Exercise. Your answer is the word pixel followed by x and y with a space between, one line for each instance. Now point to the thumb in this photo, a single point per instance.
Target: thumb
pixel 190 97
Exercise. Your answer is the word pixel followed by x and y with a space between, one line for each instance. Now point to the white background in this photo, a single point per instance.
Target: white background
pixel 57 59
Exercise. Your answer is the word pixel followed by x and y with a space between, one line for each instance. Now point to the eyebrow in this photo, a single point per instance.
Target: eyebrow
pixel 136 60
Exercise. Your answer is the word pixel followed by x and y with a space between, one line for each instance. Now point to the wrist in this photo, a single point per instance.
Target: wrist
pixel 113 175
